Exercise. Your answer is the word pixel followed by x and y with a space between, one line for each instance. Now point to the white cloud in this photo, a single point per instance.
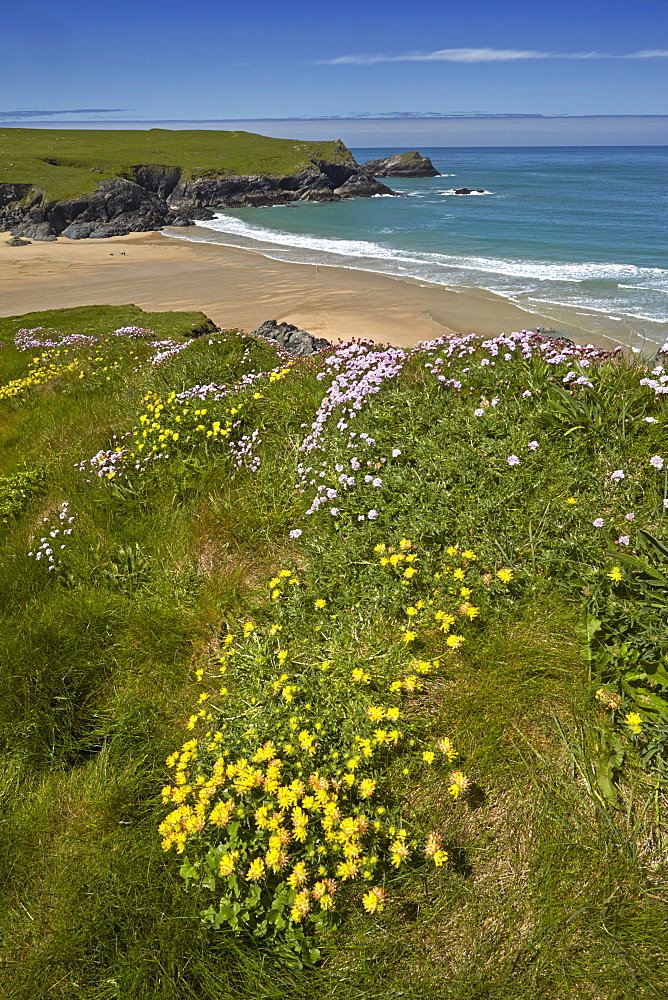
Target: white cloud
pixel 648 54
pixel 483 55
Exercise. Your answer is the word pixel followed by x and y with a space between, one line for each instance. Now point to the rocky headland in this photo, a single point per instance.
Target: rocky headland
pixel 157 196
pixel 409 164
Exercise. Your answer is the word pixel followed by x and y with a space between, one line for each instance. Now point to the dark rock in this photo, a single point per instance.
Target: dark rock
pixel 78 230
pixel 151 197
pixel 361 186
pixel 16 241
pixel 547 333
pixel 469 191
pixel 402 165
pixel 291 338
pixel 35 231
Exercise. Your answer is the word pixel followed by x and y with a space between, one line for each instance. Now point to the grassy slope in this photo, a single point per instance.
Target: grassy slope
pixel 551 891
pixel 87 157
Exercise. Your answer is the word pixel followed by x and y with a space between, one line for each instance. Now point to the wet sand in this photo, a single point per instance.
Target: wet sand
pixel 239 289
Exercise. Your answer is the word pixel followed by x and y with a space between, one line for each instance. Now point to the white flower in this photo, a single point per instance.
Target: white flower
pixel 618 475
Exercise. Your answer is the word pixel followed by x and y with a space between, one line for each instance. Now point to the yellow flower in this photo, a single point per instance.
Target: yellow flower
pixel 615 574
pixel 360 677
pixel 367 787
pixel 301 906
pixel 429 756
pixel 408 573
pixel 256 870
pixel 409 636
pixel 446 748
pixel 458 574
pixel 374 900
pixel 440 857
pixel 398 853
pixel 227 863
pixel 298 876
pixel 411 612
pixel 504 575
pixel 405 543
pixel 459 783
pixel 571 500
pixel 346 870
pixel 319 603
pixel 468 554
pixel 454 641
pixel 634 722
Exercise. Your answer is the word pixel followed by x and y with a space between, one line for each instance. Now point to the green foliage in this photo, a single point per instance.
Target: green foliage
pixel 556 850
pixel 17 491
pixel 628 646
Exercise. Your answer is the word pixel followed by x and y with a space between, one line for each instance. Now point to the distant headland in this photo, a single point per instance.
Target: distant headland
pixel 93 184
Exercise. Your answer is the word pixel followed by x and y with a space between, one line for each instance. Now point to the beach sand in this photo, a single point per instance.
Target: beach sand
pixel 239 289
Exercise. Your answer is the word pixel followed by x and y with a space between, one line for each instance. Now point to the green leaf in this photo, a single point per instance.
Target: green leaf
pixel 606 767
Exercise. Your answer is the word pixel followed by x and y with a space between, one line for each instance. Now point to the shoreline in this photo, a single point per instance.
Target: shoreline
pixel 240 288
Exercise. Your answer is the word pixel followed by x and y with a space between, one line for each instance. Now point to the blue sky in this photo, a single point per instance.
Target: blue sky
pixel 220 60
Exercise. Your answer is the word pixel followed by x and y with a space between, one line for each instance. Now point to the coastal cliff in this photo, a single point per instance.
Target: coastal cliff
pixel 159 196
pixel 144 196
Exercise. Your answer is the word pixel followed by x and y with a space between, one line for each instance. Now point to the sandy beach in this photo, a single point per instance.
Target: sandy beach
pixel 239 289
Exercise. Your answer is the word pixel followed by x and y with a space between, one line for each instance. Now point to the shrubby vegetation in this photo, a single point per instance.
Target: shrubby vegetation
pixel 395 621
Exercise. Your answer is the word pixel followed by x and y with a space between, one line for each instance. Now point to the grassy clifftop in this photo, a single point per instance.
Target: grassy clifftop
pixel 68 162
pixel 340 677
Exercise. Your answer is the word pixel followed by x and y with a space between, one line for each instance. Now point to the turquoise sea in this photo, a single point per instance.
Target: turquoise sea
pixel 577 234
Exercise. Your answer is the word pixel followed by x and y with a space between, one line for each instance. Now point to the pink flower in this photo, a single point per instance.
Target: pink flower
pixel 630 516
pixel 533 445
pixel 513 460
pixel 598 522
pixel 618 475
pixel 295 533
pixel 623 540
pixel 656 461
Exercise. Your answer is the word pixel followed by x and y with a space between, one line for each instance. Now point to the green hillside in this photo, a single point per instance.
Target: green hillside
pixel 69 162
pixel 339 677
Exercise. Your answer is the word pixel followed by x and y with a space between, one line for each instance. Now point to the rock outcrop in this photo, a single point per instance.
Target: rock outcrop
pixel 402 165
pixel 151 197
pixel 469 191
pixel 291 338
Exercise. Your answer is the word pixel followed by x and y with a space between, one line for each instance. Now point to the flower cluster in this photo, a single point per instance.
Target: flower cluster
pixel 52 543
pixel 287 790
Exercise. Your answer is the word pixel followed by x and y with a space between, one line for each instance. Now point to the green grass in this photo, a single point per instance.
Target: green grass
pixel 554 888
pixel 65 163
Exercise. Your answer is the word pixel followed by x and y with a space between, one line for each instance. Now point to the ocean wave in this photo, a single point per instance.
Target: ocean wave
pixel 602 309
pixel 513 268
pixel 471 194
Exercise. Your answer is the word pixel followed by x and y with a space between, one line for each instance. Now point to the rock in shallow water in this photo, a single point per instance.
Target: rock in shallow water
pixel 402 165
